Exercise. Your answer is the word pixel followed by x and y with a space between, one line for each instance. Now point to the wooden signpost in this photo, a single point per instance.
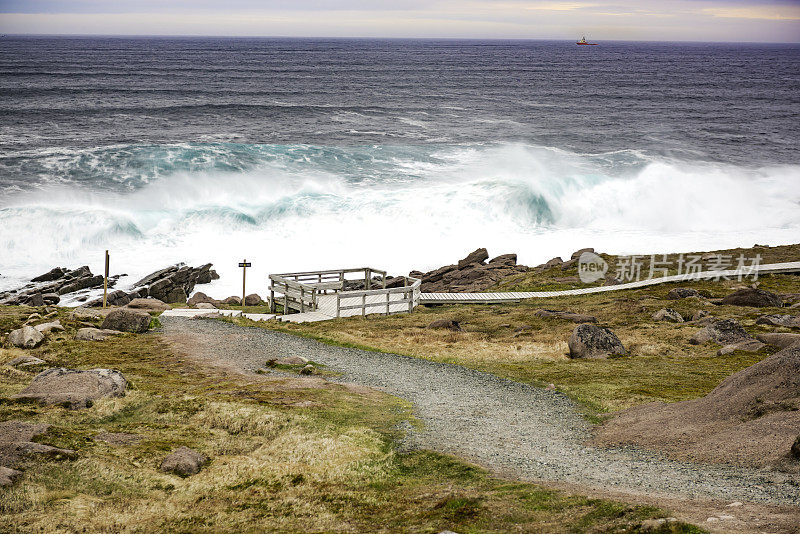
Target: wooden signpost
pixel 105 283
pixel 244 265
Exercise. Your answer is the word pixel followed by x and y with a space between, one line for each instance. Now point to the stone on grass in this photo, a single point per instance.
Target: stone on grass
pixel 126 320
pixel 26 337
pixel 592 341
pixel 183 462
pixel 25 361
pixel 757 298
pixel 780 340
pixel 201 297
pixel 750 345
pixel 568 315
pixel 233 301
pixel 149 304
pixel 667 314
pixel 292 360
pixel 308 370
pixel 95 334
pixel 252 300
pixel 789 321
pixel 723 331
pixel 205 306
pixel 8 476
pixel 46 328
pixel 682 293
pixel 16 444
pixel 445 324
pixel 72 388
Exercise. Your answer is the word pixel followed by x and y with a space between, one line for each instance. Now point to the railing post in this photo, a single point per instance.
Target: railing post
pixel 383 280
pixel 387 301
pixel 363 305
pixel 314 306
pixel 302 299
pixel 411 302
pixel 338 305
pixel 271 297
pixel 367 278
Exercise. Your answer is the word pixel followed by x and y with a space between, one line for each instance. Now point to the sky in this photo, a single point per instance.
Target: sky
pixel 651 20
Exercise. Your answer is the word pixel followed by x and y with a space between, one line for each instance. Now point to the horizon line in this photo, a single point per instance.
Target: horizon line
pixel 202 36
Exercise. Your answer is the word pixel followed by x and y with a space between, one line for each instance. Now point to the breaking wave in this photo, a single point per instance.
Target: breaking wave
pixel 399 207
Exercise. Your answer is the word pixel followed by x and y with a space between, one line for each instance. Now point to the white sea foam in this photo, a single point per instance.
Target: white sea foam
pixel 292 208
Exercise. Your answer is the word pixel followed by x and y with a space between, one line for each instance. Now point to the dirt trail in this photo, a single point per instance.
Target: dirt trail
pixel 530 432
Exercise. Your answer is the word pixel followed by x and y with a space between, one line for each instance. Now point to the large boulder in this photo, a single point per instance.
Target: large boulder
pixel 46 328
pixel 127 320
pixel 669 315
pixel 148 304
pixel 477 256
pixel 233 301
pixel 682 293
pixel 72 388
pixel 592 341
pixel 568 315
pixel 252 300
pixel 26 361
pixel 577 254
pixel 201 297
pixel 504 259
pixel 183 462
pixel 26 337
pixel 8 476
pixel 779 339
pixel 757 298
pixel 789 321
pixel 723 331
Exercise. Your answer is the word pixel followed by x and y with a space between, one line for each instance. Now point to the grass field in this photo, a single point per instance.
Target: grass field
pixel 284 457
pixel 510 341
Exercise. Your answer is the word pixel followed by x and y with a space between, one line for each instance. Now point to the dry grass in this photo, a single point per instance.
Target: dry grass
pixel 661 366
pixel 330 467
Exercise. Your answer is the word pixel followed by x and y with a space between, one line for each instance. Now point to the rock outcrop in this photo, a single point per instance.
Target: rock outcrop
pixel 72 388
pixel 183 462
pixel 147 304
pixel 789 321
pixel 779 339
pixel 48 288
pixel 469 274
pixel 723 331
pixel 757 298
pixel 749 345
pixel 17 445
pixel 95 334
pixel 682 293
pixel 592 341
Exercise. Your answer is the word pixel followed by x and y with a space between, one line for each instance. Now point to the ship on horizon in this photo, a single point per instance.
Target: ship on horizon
pixel 583 41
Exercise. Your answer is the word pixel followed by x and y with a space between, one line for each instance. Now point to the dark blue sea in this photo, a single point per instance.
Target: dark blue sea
pixel 311 153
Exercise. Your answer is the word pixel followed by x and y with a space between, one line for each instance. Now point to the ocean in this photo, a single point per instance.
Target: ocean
pixel 300 154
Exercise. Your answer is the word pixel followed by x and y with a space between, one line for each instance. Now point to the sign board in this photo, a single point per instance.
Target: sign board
pixel 245 264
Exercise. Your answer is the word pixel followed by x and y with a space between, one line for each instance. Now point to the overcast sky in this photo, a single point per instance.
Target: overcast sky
pixel 661 20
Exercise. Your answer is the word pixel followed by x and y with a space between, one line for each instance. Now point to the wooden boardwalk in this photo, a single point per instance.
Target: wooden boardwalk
pixel 494 298
pixel 377 303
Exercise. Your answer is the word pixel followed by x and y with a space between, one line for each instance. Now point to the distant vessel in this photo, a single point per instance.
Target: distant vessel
pixel 584 42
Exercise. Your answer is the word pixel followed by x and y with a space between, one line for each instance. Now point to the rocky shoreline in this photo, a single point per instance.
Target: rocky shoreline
pixel 172 284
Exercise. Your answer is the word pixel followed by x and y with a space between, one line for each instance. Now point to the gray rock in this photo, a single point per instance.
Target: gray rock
pixel 592 341
pixel 49 276
pixel 757 298
pixel 682 293
pixel 26 337
pixel 72 388
pixel 252 300
pixel 183 462
pixel 95 334
pixel 723 331
pixel 577 254
pixel 46 328
pixel 199 297
pixel 8 476
pixel 308 370
pixel 127 320
pixel 147 304
pixel 25 361
pixel 235 301
pixel 292 360
pixel 667 314
pixel 477 256
pixel 177 295
pixel 51 298
pixel 504 259
pixel 446 324
pixel 81 283
pixel 700 314
pixel 779 339
pixel 205 306
pixel 555 262
pixel 750 345
pixel 789 321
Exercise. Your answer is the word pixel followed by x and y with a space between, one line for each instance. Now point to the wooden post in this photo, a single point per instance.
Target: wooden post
pixel 411 302
pixel 387 301
pixel 302 299
pixel 244 265
pixel 105 283
pixel 338 304
pixel 363 305
pixel 368 279
pixel 271 296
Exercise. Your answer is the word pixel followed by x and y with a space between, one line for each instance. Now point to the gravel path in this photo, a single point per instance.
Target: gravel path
pixel 531 432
